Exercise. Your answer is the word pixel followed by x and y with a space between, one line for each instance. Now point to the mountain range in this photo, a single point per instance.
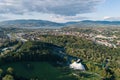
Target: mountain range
pixel 45 24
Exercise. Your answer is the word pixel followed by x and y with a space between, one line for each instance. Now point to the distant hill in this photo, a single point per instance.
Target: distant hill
pixel 30 23
pixel 90 23
pixel 102 22
pixel 49 24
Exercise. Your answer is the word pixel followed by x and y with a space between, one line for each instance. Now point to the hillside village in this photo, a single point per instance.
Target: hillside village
pixel 98 36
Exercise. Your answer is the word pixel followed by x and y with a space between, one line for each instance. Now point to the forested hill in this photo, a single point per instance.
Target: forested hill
pixel 30 23
pixel 46 24
pixel 90 23
pixel 33 51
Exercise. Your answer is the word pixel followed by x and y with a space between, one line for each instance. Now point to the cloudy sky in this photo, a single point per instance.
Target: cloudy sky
pixel 60 10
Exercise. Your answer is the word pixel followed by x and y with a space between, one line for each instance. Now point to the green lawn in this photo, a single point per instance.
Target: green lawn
pixel 45 71
pixel 41 70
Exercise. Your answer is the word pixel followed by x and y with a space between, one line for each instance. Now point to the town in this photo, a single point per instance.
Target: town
pixel 107 37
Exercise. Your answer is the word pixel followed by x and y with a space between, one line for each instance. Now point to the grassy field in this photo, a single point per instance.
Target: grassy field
pixel 41 70
pixel 44 71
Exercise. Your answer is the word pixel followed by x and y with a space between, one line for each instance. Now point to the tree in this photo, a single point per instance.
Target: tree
pixel 1 71
pixel 10 70
pixel 104 74
pixel 8 77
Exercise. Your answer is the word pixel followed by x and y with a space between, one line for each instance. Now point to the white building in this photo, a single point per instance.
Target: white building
pixel 77 66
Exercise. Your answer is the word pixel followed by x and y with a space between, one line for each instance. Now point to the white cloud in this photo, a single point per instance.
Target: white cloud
pixel 106 17
pixel 112 18
pixel 53 10
pixel 59 18
pixel 2 17
pixel 59 7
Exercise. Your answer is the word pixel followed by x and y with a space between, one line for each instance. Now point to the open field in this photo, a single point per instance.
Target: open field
pixel 45 71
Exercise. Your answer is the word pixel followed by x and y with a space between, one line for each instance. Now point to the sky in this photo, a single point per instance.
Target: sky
pixel 60 10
